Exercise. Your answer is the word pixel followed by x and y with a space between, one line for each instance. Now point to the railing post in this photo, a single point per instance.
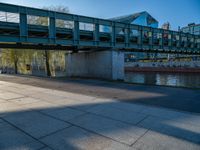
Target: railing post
pixel 96 33
pixel 180 40
pixel 192 42
pixel 23 26
pixel 76 32
pixel 127 36
pixel 161 39
pixel 177 40
pixel 140 38
pixel 170 40
pixel 150 38
pixel 198 42
pixel 186 43
pixel 52 28
pixel 113 35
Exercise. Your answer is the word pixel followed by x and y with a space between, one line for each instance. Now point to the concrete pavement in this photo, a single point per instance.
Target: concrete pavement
pixel 182 99
pixel 38 118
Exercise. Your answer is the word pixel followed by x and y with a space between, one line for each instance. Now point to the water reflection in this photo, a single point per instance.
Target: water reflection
pixel 169 79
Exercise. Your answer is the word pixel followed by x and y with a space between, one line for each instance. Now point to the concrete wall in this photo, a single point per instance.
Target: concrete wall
pixel 117 65
pixel 99 64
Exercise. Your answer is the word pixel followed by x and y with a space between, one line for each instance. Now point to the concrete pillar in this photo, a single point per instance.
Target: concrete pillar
pixel 97 64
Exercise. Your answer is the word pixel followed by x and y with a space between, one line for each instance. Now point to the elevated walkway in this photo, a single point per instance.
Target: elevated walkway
pixel 17 30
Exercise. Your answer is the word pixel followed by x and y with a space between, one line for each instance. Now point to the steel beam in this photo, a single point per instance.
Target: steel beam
pixel 96 33
pixel 52 29
pixel 23 27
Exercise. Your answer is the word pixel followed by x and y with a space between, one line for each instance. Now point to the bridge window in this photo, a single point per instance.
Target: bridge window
pixel 150 34
pixel 9 17
pixel 37 20
pixel 64 24
pixel 120 31
pixel 156 35
pixel 105 29
pixel 184 38
pixel 169 36
pixel 160 35
pixel 177 37
pixel 134 33
pixel 191 39
pixel 145 34
pixel 86 26
pixel 197 40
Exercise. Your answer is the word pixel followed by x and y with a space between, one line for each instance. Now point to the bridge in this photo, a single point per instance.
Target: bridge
pixel 16 30
pixel 22 27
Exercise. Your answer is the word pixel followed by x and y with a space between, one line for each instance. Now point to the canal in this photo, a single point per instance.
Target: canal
pixel 167 79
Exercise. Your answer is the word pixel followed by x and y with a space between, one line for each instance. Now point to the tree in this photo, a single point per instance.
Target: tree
pixel 47 59
pixel 11 58
pixel 60 23
pixel 18 58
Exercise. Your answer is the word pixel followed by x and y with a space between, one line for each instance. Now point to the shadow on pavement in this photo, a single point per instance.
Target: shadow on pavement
pixel 167 97
pixel 89 125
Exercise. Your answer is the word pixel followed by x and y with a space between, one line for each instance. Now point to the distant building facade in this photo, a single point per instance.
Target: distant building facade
pixel 166 26
pixel 192 28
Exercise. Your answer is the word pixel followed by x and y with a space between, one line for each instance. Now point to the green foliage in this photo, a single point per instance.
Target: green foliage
pixel 18 59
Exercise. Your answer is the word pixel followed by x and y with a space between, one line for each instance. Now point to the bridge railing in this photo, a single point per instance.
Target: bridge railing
pixel 37 26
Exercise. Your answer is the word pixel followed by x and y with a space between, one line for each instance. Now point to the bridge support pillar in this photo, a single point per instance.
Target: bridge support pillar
pixel 96 64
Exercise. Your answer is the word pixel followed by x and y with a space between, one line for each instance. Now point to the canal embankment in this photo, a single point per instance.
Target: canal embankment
pixel 168 67
pixel 163 69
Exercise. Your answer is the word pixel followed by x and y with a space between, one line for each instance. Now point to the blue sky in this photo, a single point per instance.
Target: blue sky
pixel 177 12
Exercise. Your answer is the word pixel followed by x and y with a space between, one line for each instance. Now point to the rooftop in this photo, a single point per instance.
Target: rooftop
pixel 131 17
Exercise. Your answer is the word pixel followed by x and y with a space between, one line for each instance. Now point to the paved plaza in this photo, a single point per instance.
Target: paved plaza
pixel 42 118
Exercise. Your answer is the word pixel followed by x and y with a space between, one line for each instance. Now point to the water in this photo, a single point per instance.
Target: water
pixel 167 79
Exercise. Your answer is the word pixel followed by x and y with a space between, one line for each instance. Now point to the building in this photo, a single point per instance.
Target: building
pixel 141 18
pixel 192 28
pixel 166 26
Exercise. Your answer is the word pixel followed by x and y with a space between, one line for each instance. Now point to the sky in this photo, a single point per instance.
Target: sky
pixel 177 12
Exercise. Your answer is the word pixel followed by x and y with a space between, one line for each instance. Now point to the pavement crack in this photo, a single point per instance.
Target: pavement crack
pixel 142 120
pixel 140 137
pixel 54 132
pixel 36 139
